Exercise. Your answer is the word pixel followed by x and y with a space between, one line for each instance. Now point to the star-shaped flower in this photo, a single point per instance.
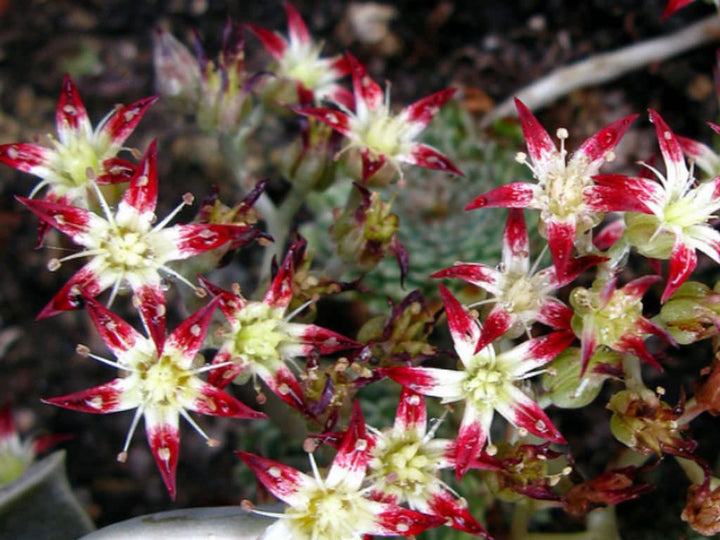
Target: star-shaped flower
pixel 405 462
pixel 127 248
pixel 522 295
pixel 335 507
pixel 563 186
pixel 64 167
pixel 159 380
pixel 668 219
pixel 298 59
pixel 261 340
pixel 383 137
pixel 487 382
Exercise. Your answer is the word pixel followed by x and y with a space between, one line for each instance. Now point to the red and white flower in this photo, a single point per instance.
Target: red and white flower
pixel 298 59
pixel 487 382
pixel 78 149
pixel 668 219
pixel 336 507
pixel 261 340
pixel 405 462
pixel 127 248
pixel 522 294
pixel 563 189
pixel 159 379
pixel 383 137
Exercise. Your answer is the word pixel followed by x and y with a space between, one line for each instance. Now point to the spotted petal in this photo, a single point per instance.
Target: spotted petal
pixel 118 335
pixel 483 276
pixel 683 260
pixel 443 503
pixel 425 109
pixel 436 382
pixel 141 194
pixel 296 26
pixel 275 44
pixel 368 94
pixel 122 123
pixel 348 467
pixel 471 438
pixel 514 195
pixel 25 157
pixel 105 398
pixel 426 156
pixel 70 115
pixel 163 436
pixel 594 151
pixel 523 412
pixel 539 143
pixel 337 120
pixel 215 402
pixel 394 520
pixel 464 330
pixel 187 338
pixel 71 220
pixel 411 413
pixel 282 481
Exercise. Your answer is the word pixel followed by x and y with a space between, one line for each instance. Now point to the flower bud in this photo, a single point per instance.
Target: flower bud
pixel 692 313
pixel 177 73
pixel 702 509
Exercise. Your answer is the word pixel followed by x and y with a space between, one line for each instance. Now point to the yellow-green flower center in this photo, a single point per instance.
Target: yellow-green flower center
pixel 402 465
pixel 520 295
pixel 165 383
pixel 618 318
pixel 381 133
pixel 74 158
pixel 484 382
pixel 127 250
pixel 259 334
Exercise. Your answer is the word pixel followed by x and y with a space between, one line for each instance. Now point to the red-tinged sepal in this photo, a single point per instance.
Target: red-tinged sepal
pixel 588 343
pixel 609 234
pixel 282 481
pixel 337 120
pixel 274 44
pixel 426 156
pixel 514 195
pixel 163 436
pixel 442 503
pixel 683 261
pixel 106 398
pixel 393 520
pixel 464 329
pixel 70 114
pixel 525 413
pixel 215 402
pixel 117 334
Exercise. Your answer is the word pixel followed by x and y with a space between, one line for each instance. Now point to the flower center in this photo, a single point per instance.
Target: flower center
pixel 259 334
pixel 303 63
pixel 73 160
pixel 618 318
pixel 562 189
pixel 381 133
pixel 165 382
pixel 127 249
pixel 402 465
pixel 520 295
pixel 485 381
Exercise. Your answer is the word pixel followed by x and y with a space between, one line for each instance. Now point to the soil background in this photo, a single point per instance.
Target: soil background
pixel 490 48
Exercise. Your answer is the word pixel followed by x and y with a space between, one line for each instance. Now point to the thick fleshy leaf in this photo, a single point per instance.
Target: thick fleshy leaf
pixel 426 156
pixel 595 149
pixel 411 413
pixel 187 338
pixel 215 402
pixel 25 157
pixel 117 334
pixel 271 41
pixel 436 382
pixel 464 330
pixel 523 412
pixel 71 115
pixel 683 260
pixel 71 220
pixel 337 120
pixel 514 195
pixel 296 26
pixel 368 94
pixel 106 398
pixel 471 437
pixel 141 194
pixel 539 143
pixel 443 503
pixel 122 123
pixel 163 436
pixel 481 275
pixel 424 110
pixel 391 520
pixel 348 467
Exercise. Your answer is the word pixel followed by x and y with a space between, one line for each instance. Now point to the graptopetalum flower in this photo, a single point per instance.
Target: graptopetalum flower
pixel 612 317
pixel 669 219
pixel 335 507
pixel 522 295
pixel 127 248
pixel 486 383
pixel 298 60
pixel 159 380
pixel 563 186
pixel 405 462
pixel 261 340
pixel 64 167
pixel 383 137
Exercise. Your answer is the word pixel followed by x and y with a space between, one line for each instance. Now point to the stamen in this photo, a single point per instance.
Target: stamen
pixel 209 440
pixel 297 310
pixel 122 456
pixel 103 204
pixel 316 472
pixel 175 212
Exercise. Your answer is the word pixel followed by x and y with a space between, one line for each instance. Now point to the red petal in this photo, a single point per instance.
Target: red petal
pixel 426 156
pixel 280 291
pixel 85 282
pixel 477 274
pixel 411 412
pixel 220 377
pixel 115 171
pixel 70 220
pixel 470 439
pixel 497 323
pixel 423 110
pixel 7 426
pixel 284 385
pixel 164 441
pixel 394 520
pixel 515 195
pixel 119 127
pixel 215 402
pixel 326 341
pixel 636 346
pixel 555 314
pixel 280 480
pixel 588 344
pixel 422 380
pixel 197 238
pixel 463 328
pixel 676 170
pixel 29 158
pixel 638 287
pixel 610 234
pixel 618 193
pixel 190 335
pixel 597 146
pixel 337 120
pixel 367 91
pixel 296 27
pixel 515 243
pixel 371 164
pixel 98 400
pixel 348 467
pixel 142 192
pixel 117 334
pixel 442 503
pixel 673 5
pixel 71 114
pixel 683 261
pixel 527 414
pixel 271 41
pixel 539 143
pixel 561 238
